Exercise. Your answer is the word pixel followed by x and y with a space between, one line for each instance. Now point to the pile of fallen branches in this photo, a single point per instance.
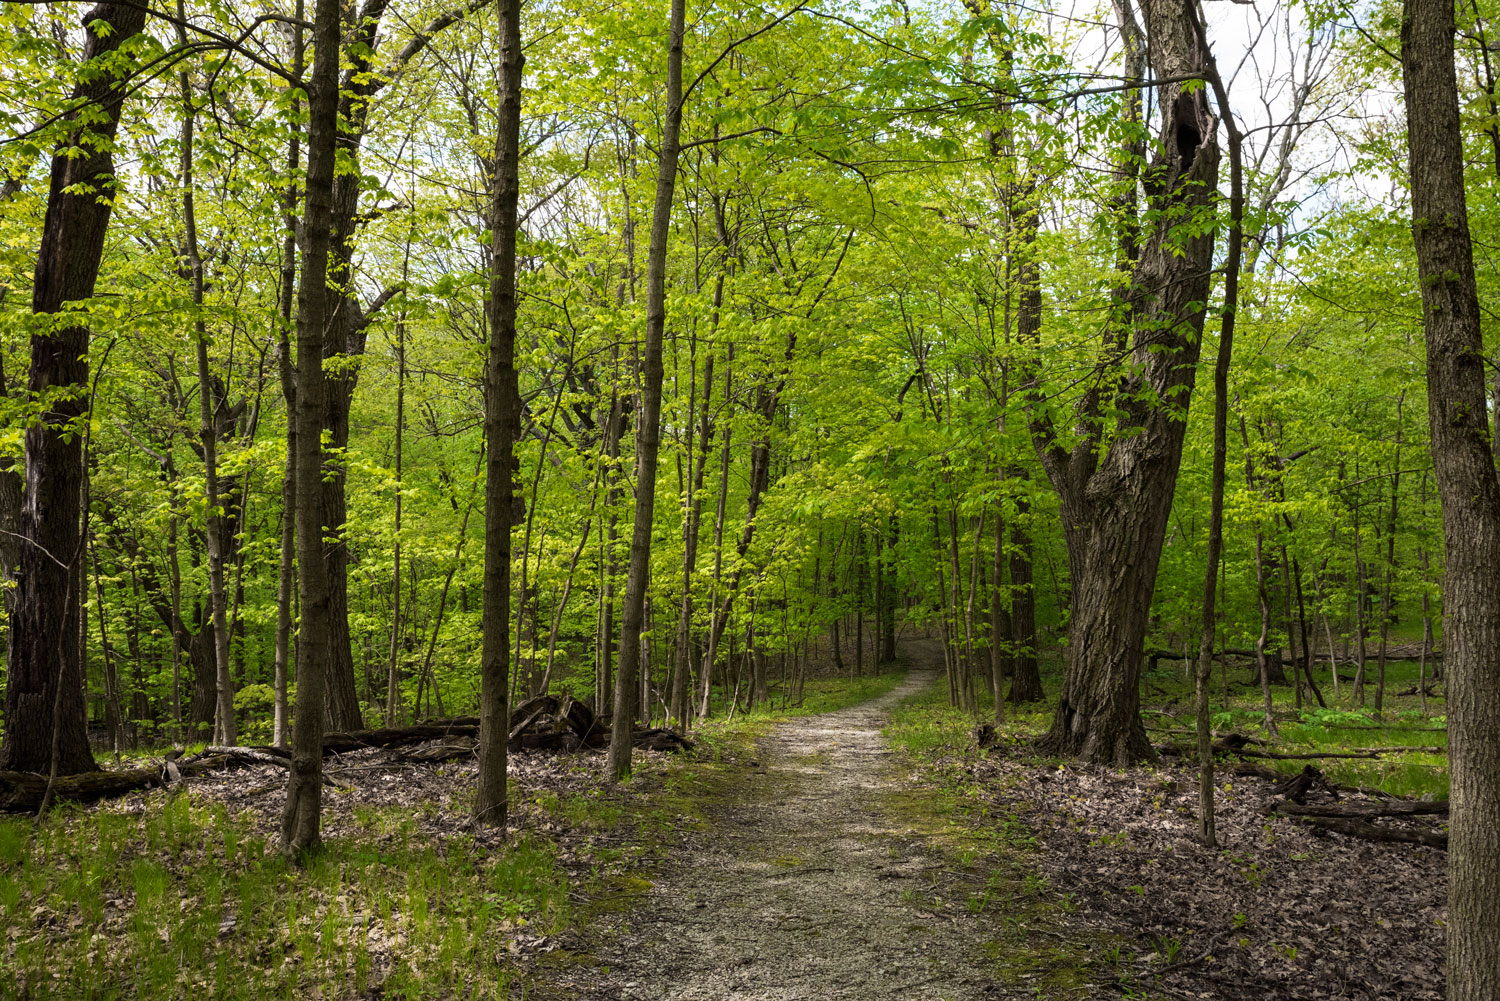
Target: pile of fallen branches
pixel 1355 819
pixel 541 723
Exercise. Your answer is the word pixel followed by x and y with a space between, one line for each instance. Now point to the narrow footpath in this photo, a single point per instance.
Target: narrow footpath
pixel 806 887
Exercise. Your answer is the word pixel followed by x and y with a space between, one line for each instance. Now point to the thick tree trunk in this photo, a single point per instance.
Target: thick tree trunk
pixel 1115 505
pixel 1098 715
pixel 301 817
pixel 45 711
pixel 502 427
pixel 1464 464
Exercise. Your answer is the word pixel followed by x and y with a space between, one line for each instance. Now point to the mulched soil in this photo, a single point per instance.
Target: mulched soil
pixel 1279 911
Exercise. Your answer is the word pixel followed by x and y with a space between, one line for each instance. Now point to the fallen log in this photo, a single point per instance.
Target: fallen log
pixel 1357 811
pixel 22 792
pixel 556 726
pixel 659 739
pixel 436 754
pixel 1298 786
pixel 1320 756
pixel 1373 832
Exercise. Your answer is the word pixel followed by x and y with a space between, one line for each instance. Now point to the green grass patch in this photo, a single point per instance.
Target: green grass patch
pixel 735 736
pixel 1345 725
pixel 190 901
pixel 991 846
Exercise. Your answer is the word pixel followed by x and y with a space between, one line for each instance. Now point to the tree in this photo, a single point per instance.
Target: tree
pixel 1464 463
pixel 1115 488
pixel 502 415
pixel 44 699
pixel 648 426
pixel 302 815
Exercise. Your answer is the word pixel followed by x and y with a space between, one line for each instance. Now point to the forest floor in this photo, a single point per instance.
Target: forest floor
pixel 866 850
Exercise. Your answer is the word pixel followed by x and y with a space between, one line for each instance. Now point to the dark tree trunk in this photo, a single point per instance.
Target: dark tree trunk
pixel 1026 678
pixel 301 818
pixel 1115 500
pixel 1464 465
pixel 344 341
pixel 1001 657
pixel 45 710
pixel 502 427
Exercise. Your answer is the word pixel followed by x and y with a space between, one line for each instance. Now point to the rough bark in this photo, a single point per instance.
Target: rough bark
pixel 45 711
pixel 1464 466
pixel 301 818
pixel 502 426
pixel 1115 500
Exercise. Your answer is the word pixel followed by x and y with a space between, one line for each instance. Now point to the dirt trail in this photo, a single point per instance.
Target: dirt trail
pixel 807 887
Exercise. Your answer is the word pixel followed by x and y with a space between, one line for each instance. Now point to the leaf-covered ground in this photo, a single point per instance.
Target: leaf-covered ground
pixel 183 894
pixel 1279 912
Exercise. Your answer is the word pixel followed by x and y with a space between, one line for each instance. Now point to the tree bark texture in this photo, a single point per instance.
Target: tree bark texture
pixel 1115 501
pixel 1464 465
pixel 502 427
pixel 301 817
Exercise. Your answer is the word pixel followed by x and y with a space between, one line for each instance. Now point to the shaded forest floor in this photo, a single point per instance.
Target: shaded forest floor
pixel 871 851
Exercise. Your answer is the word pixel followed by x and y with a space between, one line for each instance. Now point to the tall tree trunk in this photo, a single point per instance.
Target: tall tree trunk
pixel 648 427
pixel 502 427
pixel 692 523
pixel 1116 500
pixel 287 571
pixel 1390 561
pixel 1001 656
pixel 208 431
pixel 1464 465
pixel 45 710
pixel 301 817
pixel 393 665
pixel 1203 675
